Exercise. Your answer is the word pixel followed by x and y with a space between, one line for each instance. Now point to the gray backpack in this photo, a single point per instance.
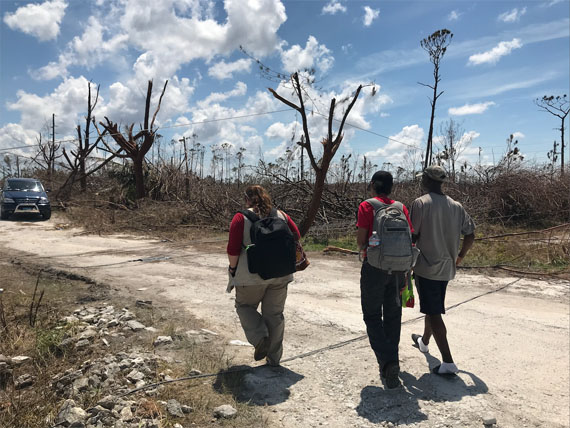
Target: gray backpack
pixel 395 252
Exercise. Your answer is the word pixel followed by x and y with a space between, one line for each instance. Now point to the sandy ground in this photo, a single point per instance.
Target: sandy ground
pixel 512 346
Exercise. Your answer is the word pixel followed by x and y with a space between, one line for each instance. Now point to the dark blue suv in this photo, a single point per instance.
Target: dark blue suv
pixel 24 196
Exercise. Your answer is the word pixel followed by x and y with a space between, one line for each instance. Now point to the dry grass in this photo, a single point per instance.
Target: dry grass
pixel 163 220
pixel 32 407
pixel 37 406
pixel 546 252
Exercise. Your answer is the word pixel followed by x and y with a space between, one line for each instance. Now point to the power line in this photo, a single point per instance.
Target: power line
pixel 202 122
pixel 309 353
pixel 243 116
pixel 7 149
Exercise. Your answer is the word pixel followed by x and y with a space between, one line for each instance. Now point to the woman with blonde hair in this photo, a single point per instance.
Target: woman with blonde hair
pixel 263 330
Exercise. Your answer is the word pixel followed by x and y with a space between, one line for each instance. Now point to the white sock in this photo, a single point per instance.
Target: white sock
pixel 448 368
pixel 423 347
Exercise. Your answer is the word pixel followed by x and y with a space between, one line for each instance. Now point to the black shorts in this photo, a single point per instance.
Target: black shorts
pixel 432 295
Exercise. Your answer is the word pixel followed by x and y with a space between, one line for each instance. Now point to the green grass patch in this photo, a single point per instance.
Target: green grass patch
pixel 48 342
pixel 319 243
pixel 548 252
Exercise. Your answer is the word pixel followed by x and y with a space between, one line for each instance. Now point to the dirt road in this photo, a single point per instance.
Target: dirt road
pixel 512 346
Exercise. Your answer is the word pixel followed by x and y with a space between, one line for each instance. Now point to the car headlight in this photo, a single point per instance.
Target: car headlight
pixel 44 200
pixel 8 200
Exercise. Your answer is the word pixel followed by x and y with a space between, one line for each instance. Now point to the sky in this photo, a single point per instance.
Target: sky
pixel 503 55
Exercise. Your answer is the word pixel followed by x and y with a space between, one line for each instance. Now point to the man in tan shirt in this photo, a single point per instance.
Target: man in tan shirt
pixel 438 222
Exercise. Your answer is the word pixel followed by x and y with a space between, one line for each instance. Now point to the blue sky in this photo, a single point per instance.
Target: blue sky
pixel 503 55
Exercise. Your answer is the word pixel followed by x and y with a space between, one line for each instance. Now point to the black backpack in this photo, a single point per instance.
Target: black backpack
pixel 272 250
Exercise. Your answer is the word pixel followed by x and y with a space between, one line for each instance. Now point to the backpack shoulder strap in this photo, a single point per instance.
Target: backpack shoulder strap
pixel 376 204
pixel 250 215
pixel 398 205
pixel 273 213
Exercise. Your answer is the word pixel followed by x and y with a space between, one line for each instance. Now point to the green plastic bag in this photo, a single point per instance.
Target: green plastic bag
pixel 407 292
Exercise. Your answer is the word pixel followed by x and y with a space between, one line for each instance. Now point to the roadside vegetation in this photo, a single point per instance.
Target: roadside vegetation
pixel 30 394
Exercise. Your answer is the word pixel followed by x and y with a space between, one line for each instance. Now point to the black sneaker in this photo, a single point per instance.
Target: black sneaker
pixel 261 349
pixel 390 375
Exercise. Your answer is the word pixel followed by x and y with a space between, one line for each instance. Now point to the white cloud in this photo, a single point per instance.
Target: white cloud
pixel 467 138
pixel 467 153
pixel 552 3
pixel 454 15
pixel 493 56
pixel 92 48
pixel 39 20
pixel 281 131
pixel 141 24
pixel 512 16
pixel 214 129
pixel 394 150
pixel 518 134
pixel 346 48
pixel 470 109
pixel 278 150
pixel 333 7
pixel 209 122
pixel 252 24
pixel 223 70
pixel 15 135
pixel 66 101
pixel 217 97
pixel 313 55
pixel 126 100
pixel 88 50
pixel 370 15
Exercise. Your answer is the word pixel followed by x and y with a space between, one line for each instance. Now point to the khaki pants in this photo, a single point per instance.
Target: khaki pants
pixel 270 323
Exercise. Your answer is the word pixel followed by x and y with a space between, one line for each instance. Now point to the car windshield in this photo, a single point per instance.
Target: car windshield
pixel 26 185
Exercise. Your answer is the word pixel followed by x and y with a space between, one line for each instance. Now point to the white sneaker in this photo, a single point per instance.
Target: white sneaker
pixel 446 369
pixel 420 343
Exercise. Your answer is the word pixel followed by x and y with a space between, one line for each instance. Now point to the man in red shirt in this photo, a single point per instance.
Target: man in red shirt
pixel 380 290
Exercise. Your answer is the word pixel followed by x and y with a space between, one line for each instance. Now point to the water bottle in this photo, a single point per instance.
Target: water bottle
pixel 374 240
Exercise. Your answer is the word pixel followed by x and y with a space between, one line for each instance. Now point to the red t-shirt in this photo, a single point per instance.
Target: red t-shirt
pixel 366 214
pixel 236 233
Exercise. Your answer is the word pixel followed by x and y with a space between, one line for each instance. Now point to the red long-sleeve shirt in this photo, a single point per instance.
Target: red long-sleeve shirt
pixel 236 233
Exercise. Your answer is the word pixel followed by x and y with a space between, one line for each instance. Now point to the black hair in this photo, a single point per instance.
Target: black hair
pixel 381 187
pixel 382 182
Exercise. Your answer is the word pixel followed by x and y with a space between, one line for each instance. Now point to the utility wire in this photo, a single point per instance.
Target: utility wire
pixel 310 353
pixel 352 125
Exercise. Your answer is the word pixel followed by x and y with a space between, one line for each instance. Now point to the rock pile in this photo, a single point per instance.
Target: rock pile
pixel 97 322
pixel 119 372
pixel 7 366
pixel 116 412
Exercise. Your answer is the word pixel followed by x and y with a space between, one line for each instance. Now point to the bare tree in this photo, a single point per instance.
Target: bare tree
pixel 80 154
pixel 412 161
pixel 366 173
pixel 226 148
pixel 240 165
pixel 48 153
pixel 553 157
pixel 330 145
pixel 512 157
pixel 453 141
pixel 435 45
pixel 136 146
pixel 557 106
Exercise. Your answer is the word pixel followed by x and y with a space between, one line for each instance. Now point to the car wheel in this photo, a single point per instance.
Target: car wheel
pixel 3 214
pixel 46 215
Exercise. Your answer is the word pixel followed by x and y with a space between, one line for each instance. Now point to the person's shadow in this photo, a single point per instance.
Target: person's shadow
pixel 261 385
pixel 401 404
